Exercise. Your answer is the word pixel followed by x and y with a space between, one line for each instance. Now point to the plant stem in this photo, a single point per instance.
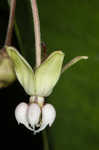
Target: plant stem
pixel 37 32
pixel 45 140
pixel 10 23
pixel 38 53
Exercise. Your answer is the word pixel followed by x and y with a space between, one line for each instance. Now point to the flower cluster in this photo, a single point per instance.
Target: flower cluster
pixel 36 115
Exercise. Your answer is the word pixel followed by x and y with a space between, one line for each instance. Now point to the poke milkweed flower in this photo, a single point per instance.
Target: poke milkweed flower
pixel 38 84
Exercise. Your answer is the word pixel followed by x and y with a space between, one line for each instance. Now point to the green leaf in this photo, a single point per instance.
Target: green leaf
pixel 48 73
pixel 23 70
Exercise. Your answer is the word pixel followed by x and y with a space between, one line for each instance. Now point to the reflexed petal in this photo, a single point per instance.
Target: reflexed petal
pixel 48 117
pixel 33 115
pixel 48 73
pixel 21 114
pixel 23 70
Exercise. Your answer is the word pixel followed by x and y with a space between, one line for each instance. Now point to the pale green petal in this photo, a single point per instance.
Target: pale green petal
pixel 48 73
pixel 23 70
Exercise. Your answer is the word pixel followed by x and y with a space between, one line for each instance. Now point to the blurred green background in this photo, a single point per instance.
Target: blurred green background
pixel 71 26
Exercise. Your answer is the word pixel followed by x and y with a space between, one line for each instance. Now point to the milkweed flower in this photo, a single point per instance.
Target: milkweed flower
pixel 38 84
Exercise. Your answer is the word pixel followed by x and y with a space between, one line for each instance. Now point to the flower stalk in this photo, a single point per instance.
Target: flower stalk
pixel 36 32
pixel 7 74
pixel 10 23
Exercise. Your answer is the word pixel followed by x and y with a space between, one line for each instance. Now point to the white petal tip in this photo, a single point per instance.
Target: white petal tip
pixel 48 117
pixel 21 115
pixel 33 115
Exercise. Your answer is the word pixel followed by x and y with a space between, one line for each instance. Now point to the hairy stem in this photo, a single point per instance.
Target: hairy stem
pixel 37 32
pixel 10 23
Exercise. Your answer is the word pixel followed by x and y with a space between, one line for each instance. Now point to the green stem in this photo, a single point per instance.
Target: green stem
pixel 45 141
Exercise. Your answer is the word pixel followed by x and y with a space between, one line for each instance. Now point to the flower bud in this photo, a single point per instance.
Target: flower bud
pixel 21 114
pixel 7 74
pixel 48 116
pixel 33 115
